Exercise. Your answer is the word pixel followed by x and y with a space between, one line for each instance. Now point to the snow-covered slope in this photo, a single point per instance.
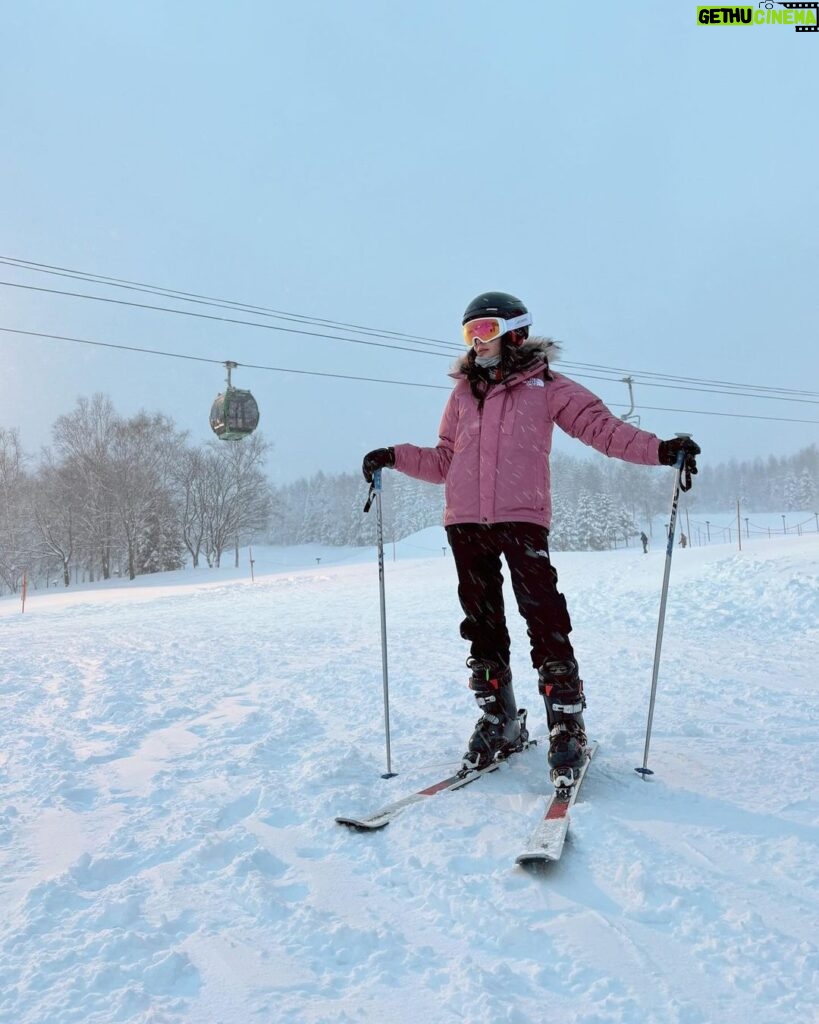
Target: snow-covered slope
pixel 172 756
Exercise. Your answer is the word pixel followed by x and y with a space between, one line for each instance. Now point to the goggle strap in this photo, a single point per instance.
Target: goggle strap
pixel 524 320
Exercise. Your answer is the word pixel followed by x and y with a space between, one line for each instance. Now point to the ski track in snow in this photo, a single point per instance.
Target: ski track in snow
pixel 170 767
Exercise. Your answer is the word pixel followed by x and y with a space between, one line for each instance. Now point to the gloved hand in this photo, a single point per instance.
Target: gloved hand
pixel 380 458
pixel 669 450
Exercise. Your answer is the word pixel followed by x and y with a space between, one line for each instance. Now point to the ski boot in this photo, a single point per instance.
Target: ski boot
pixel 562 691
pixel 501 730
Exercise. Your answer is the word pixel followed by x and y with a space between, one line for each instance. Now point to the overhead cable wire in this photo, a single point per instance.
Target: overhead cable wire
pixel 218 319
pixel 357 341
pixel 701 390
pixel 209 300
pixel 336 325
pixel 636 374
pixel 372 380
pixel 730 415
pixel 218 362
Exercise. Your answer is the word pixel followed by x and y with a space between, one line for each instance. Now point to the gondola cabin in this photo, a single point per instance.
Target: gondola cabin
pixel 234 413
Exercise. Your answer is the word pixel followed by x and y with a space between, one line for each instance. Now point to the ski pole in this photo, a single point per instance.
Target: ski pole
pixel 672 523
pixel 375 492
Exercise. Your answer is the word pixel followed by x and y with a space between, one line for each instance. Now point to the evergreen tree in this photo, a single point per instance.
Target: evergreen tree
pixel 806 494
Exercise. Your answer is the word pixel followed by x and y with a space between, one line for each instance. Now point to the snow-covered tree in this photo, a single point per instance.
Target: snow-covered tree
pixel 17 548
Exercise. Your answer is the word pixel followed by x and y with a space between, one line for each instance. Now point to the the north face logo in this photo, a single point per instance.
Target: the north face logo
pixel 535 382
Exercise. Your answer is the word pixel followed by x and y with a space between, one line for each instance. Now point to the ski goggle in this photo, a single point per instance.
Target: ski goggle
pixel 490 328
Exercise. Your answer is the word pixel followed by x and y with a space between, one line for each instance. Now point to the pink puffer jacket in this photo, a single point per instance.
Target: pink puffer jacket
pixel 495 460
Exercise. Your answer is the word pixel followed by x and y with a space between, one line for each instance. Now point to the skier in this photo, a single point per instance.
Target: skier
pixel 644 540
pixel 493 455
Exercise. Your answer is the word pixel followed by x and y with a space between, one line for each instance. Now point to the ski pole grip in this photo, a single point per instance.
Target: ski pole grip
pixel 682 464
pixel 375 488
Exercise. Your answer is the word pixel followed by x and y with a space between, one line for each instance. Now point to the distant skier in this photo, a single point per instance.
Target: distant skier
pixel 493 456
pixel 644 540
pixel 683 539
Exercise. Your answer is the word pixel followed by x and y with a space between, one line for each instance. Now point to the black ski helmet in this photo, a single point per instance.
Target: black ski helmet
pixel 500 304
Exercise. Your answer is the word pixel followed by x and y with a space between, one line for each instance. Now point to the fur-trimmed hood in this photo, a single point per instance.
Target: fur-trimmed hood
pixel 547 350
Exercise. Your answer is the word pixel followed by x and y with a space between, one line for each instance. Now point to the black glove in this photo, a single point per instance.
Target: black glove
pixel 381 458
pixel 669 450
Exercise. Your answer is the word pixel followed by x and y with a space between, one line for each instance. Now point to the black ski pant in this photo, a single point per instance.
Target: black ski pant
pixel 477 550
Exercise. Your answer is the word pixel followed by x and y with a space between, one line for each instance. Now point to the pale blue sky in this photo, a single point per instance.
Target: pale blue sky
pixel 646 185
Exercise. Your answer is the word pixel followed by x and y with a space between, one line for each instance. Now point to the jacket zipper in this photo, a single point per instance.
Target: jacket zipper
pixel 483 519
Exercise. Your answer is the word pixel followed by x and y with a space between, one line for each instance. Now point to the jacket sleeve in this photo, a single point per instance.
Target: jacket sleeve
pixel 585 416
pixel 431 464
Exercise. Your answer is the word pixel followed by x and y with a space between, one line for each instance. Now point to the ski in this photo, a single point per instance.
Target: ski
pixel 546 842
pixel 463 777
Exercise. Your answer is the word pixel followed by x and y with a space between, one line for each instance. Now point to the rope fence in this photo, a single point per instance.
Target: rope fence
pixel 709 531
